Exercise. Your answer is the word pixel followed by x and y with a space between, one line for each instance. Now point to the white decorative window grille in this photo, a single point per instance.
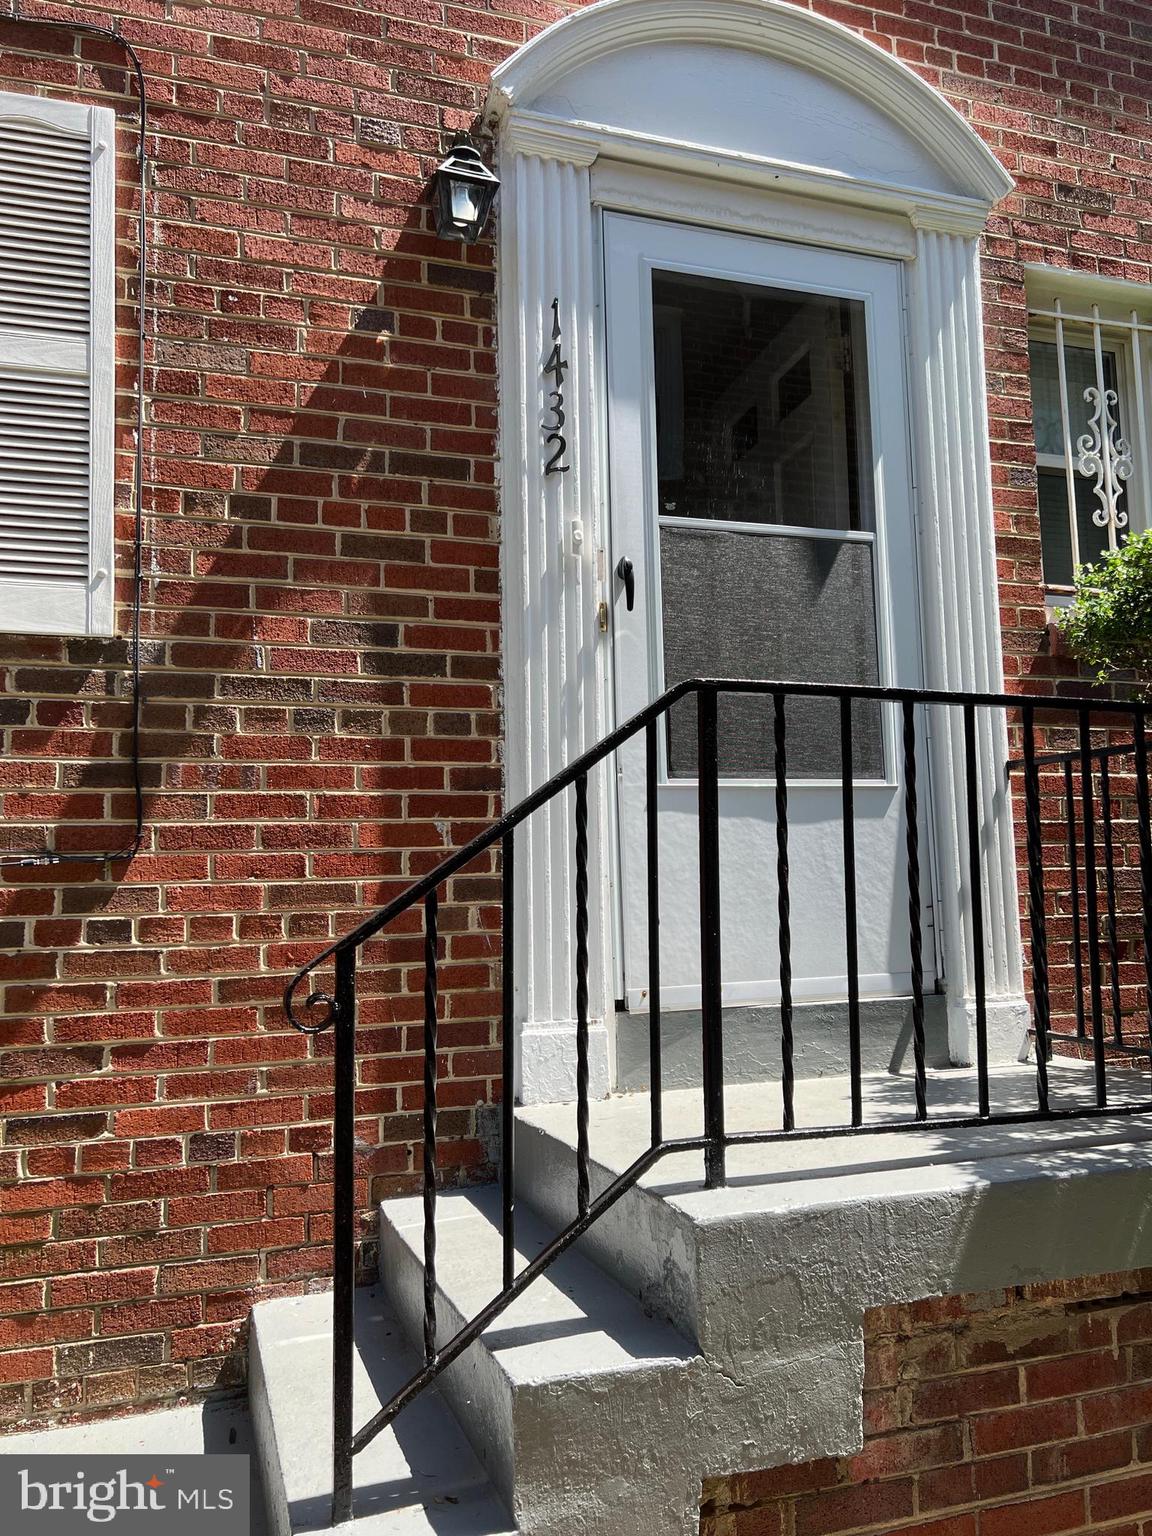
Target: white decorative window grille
pixel 1089 381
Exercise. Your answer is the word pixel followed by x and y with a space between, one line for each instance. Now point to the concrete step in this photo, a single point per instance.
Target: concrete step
pixel 583 1408
pixel 417 1478
pixel 577 1403
pixel 811 1232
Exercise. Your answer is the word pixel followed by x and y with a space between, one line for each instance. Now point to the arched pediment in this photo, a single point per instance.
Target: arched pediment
pixel 758 79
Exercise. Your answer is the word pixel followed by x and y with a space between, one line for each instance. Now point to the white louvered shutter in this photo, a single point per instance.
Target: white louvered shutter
pixel 57 366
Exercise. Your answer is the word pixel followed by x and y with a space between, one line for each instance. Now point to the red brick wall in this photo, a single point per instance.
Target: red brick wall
pixel 321 694
pixel 321 623
pixel 1017 1413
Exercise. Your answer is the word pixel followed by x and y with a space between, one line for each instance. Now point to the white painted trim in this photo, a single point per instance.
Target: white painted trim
pixel 809 989
pixel 550 1053
pixel 699 197
pixel 1049 283
pixel 102 377
pixel 528 132
pixel 788 33
pixel 556 702
pixel 531 133
pixel 779 530
pixel 557 175
pixel 961 619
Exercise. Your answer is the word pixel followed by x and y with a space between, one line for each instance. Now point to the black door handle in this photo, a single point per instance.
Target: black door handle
pixel 627 574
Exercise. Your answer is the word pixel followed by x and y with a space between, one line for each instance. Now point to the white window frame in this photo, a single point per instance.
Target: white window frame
pixel 1105 315
pixel 69 607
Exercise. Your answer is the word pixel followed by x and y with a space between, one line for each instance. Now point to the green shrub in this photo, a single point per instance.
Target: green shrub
pixel 1109 623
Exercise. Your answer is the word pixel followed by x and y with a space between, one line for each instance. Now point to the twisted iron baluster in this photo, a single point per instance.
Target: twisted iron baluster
pixel 711 948
pixel 343 1016
pixel 1074 893
pixel 652 828
pixel 976 901
pixel 784 912
pixel 851 935
pixel 1036 907
pixel 915 931
pixel 1110 893
pixel 582 1183
pixel 430 1030
pixel 508 1050
pixel 1142 816
pixel 1092 905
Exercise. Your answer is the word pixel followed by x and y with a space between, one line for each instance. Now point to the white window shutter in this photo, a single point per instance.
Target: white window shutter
pixel 57 366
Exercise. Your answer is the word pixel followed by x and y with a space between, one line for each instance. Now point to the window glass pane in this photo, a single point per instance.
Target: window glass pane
pixel 1055 536
pixel 1080 370
pixel 758 605
pixel 761 404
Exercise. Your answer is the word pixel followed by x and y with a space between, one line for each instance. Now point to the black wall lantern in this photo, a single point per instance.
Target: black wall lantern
pixel 464 190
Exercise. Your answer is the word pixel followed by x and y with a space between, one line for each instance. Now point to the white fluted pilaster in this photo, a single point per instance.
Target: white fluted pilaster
pixel 961 626
pixel 555 696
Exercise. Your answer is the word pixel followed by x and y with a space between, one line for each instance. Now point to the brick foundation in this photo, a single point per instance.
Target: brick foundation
pixel 1015 1413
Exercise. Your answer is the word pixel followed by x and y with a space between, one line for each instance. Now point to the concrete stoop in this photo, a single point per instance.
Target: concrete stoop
pixel 418 1478
pixel 691 1333
pixel 577 1412
pixel 549 1390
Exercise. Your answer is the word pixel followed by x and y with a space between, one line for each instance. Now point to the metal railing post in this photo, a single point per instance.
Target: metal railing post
pixel 976 902
pixel 508 1053
pixel 711 994
pixel 1037 907
pixel 784 911
pixel 1140 742
pixel 1074 900
pixel 1110 897
pixel 583 1186
pixel 343 1233
pixel 915 921
pixel 851 936
pixel 431 1081
pixel 1092 909
pixel 652 841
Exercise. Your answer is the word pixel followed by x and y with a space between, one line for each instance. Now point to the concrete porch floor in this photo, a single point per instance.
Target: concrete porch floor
pixel 783 1172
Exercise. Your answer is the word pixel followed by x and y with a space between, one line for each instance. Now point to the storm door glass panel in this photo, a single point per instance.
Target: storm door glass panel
pixel 765 469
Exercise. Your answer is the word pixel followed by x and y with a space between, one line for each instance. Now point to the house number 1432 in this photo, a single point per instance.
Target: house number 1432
pixel 555 368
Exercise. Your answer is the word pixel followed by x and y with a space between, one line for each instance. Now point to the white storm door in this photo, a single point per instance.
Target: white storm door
pixel 760 486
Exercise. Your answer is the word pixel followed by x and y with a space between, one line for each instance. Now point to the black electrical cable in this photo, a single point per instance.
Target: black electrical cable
pixel 50 856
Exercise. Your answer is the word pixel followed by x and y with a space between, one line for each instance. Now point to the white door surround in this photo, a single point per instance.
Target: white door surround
pixel 756 116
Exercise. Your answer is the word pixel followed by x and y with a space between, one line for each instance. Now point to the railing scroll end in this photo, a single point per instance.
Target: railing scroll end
pixel 314 1001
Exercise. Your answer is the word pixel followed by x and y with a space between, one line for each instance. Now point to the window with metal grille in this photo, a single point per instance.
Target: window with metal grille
pixel 57 361
pixel 1088 361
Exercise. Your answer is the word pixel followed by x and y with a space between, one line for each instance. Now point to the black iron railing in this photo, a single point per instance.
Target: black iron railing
pixel 904 711
pixel 1099 795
